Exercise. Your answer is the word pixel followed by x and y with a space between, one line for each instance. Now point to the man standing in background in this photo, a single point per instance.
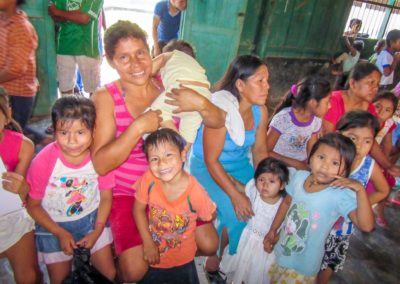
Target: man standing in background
pixel 166 22
pixel 77 43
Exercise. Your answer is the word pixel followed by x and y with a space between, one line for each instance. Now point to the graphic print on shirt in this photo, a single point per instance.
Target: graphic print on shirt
pixel 298 142
pixel 70 195
pixel 167 229
pixel 73 5
pixel 295 230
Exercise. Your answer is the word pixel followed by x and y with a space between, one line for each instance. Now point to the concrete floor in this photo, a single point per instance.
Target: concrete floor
pixel 374 257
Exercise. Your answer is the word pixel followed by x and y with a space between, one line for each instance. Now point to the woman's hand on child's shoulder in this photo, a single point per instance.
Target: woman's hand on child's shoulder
pixel 342 182
pixel 150 252
pixel 270 239
pixel 15 183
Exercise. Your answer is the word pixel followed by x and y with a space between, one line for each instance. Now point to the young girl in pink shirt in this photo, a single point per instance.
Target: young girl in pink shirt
pixel 17 241
pixel 68 200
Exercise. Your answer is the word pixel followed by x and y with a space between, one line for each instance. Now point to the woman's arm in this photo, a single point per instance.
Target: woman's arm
pixel 381 186
pixel 103 211
pixel 273 235
pixel 213 141
pixel 187 99
pixel 259 149
pixel 150 250
pixel 41 217
pixel 378 155
pixel 108 151
pixel 272 139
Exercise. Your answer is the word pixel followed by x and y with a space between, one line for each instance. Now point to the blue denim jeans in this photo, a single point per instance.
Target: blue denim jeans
pixel 46 242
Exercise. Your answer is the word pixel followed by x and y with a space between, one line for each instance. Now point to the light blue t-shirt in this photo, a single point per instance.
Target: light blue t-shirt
pixel 308 222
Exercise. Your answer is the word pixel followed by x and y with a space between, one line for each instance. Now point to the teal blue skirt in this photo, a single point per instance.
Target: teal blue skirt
pixel 242 171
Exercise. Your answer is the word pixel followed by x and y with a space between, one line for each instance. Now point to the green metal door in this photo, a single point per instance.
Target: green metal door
pixel 214 27
pixel 45 55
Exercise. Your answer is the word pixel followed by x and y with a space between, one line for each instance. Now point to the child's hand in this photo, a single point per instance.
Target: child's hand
pixel 342 182
pixel 90 239
pixel 270 239
pixel 186 99
pixel 242 206
pixel 151 253
pixel 67 242
pixel 15 183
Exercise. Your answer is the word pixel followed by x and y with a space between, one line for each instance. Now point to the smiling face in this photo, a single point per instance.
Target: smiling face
pixel 384 109
pixel 366 88
pixel 269 185
pixel 363 139
pixel 166 161
pixel 326 163
pixel 132 61
pixel 74 139
pixel 254 89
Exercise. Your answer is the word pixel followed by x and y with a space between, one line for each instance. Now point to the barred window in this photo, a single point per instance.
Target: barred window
pixel 378 17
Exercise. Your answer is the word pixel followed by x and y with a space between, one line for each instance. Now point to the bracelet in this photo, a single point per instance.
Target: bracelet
pixel 101 224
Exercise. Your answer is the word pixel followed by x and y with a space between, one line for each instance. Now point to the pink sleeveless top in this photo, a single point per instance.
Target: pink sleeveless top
pixel 10 146
pixel 136 164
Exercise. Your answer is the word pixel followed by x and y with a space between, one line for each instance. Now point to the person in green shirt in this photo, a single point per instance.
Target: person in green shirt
pixel 77 43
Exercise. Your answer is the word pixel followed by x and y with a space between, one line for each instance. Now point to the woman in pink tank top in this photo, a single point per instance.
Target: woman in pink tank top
pixel 121 122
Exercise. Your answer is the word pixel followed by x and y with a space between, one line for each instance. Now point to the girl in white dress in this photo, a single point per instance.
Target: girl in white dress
pixel 251 263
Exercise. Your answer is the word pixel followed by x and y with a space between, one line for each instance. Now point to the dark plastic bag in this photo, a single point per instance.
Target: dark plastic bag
pixel 84 272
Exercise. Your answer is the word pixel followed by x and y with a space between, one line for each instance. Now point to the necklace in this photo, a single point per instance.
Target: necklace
pixel 314 182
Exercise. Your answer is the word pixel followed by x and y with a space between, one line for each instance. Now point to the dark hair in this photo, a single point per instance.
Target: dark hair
pixel 181 45
pixel 70 108
pixel 344 145
pixel 393 35
pixel 362 70
pixel 121 30
pixel 4 105
pixel 312 87
pixel 358 119
pixel 380 43
pixel 20 2
pixel 358 45
pixel 242 67
pixel 355 21
pixel 273 166
pixel 161 136
pixel 387 95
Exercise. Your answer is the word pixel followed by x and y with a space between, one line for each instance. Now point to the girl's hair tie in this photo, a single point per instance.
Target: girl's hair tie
pixel 293 90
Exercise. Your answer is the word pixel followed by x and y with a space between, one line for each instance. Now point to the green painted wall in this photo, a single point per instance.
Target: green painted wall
pixel 302 28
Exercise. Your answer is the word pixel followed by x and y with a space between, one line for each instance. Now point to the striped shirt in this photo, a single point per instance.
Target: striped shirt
pixel 18 43
pixel 136 164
